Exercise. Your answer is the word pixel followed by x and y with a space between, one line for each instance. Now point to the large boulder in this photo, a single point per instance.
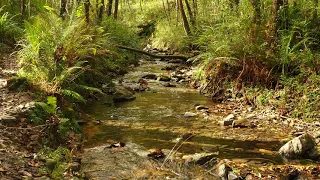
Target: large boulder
pixel 116 163
pixel 123 94
pixel 303 146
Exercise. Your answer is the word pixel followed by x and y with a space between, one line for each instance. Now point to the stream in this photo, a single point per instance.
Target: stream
pixel 155 119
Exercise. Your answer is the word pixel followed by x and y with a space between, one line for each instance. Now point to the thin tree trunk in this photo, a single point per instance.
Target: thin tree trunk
pixel 276 22
pixel 109 12
pixel 165 11
pixel 184 19
pixel 87 10
pixel 177 12
pixel 190 13
pixel 23 9
pixel 63 8
pixel 195 9
pixel 116 6
pixel 101 9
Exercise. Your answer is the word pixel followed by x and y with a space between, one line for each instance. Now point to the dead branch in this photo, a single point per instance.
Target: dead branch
pixel 153 55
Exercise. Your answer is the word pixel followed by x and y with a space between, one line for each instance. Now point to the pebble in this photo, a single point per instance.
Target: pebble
pixel 189 114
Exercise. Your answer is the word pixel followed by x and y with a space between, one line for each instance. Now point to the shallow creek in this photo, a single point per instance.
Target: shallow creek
pixel 156 118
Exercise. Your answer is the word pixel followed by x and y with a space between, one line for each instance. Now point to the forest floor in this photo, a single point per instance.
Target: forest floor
pixel 18 140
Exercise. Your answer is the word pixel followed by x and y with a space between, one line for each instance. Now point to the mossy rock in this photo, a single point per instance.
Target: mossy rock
pixel 122 94
pixel 164 78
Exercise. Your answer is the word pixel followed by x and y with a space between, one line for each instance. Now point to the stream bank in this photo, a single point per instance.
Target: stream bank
pixel 165 109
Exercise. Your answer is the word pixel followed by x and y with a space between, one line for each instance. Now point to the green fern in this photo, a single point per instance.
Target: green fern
pixel 50 106
pixel 72 95
pixel 89 89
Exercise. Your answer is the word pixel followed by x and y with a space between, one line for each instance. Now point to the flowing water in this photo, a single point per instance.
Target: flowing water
pixel 156 118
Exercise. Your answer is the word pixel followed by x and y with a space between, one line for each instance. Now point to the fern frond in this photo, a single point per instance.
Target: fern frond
pixel 72 95
pixel 89 89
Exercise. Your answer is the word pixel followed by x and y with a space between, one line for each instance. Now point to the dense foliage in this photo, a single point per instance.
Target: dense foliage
pixel 246 44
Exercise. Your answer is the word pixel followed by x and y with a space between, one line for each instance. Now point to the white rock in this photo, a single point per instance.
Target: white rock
pixel 189 114
pixel 229 117
pixel 302 146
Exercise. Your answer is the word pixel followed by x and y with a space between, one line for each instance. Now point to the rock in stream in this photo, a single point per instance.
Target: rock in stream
pixel 129 162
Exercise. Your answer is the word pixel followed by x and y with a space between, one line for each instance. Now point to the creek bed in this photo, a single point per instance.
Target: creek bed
pixel 155 119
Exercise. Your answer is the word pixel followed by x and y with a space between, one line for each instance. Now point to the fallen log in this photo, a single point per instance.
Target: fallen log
pixel 153 55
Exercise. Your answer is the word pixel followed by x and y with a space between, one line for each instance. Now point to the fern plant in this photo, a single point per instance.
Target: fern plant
pixel 9 29
pixel 54 51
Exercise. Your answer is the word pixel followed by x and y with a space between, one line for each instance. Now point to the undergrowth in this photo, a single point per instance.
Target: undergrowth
pixel 10 31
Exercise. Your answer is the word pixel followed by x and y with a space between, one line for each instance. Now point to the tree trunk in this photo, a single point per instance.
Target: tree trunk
pixel 165 11
pixel 23 9
pixel 63 8
pixel 109 12
pixel 101 9
pixel 195 9
pixel 116 6
pixel 184 18
pixel 191 16
pixel 87 10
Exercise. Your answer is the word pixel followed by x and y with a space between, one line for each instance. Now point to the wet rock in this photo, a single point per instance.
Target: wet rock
pixel 122 94
pixel 201 158
pixel 179 78
pixel 101 162
pixel 170 67
pixel 229 117
pixel 156 154
pixel 150 76
pixel 241 123
pixel 176 61
pixel 164 78
pixel 225 172
pixel 201 107
pixel 189 114
pixel 169 85
pixel 227 121
pixel 136 88
pixel 302 146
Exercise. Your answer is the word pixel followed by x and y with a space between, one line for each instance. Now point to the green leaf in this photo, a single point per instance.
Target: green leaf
pixel 48 8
